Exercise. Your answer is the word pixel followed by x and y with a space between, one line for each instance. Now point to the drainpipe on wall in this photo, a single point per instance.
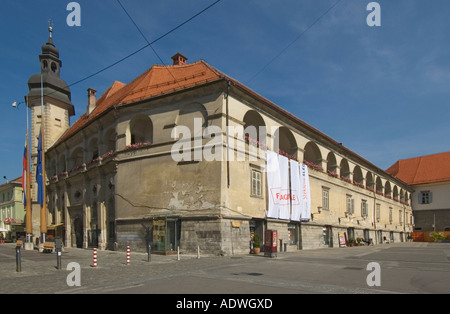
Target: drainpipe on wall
pixel 227 123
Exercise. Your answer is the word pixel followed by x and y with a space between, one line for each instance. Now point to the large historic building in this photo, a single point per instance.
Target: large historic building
pixel 162 160
pixel 430 177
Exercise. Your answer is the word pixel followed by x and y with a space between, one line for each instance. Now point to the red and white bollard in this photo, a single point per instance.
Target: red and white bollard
pixel 128 255
pixel 95 258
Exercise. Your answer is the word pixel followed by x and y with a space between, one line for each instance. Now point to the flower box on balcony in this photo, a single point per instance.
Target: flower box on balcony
pixel 346 179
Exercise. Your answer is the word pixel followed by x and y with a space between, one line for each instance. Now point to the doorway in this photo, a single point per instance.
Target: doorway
pixel 327 236
pixel 165 234
pixel 77 232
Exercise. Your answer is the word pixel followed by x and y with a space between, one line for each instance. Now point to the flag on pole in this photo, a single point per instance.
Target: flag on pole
pixel 39 173
pixel 24 174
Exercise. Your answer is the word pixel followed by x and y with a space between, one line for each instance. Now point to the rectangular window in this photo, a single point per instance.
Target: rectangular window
pixel 400 219
pixel 364 209
pixel 390 215
pixel 350 205
pixel 378 212
pixel 325 198
pixel 256 183
pixel 425 197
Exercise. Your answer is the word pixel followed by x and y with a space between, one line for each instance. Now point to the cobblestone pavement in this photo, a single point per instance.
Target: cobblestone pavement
pixel 39 273
pixel 406 268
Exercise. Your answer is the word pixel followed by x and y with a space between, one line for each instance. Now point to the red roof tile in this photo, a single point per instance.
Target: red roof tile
pixel 425 169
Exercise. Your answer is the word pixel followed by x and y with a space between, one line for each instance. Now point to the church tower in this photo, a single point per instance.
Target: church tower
pixel 49 99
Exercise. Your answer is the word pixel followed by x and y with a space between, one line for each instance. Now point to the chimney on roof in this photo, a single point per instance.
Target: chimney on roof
pixel 179 59
pixel 91 101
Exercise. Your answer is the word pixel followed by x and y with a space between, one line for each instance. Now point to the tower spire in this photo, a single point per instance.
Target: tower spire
pixel 50 27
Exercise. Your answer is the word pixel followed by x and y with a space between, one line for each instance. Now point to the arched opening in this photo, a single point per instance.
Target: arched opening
pixel 345 170
pixel 370 185
pixel 395 194
pixel 332 165
pixel 77 157
pixel 141 130
pixel 379 186
pixel 285 143
pixel 358 178
pixel 312 155
pixel 387 189
pixel 254 129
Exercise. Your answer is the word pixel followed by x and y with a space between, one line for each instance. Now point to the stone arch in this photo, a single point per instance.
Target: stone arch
pixel 285 143
pixel 379 186
pixel 369 181
pixel 345 169
pixel 312 154
pixel 387 189
pixel 254 128
pixel 331 163
pixel 77 157
pixel 395 193
pixel 357 175
pixel 141 129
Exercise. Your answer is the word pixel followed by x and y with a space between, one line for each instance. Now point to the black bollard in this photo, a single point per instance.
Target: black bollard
pixel 58 258
pixel 18 259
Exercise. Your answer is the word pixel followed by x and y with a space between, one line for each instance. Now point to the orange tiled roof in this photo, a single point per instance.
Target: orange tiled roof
pixel 157 80
pixel 425 169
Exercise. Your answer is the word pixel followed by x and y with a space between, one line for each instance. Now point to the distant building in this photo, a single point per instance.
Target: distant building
pixel 430 178
pixel 12 213
pixel 113 179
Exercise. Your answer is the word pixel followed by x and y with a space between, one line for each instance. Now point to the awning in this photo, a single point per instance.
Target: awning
pixel 4 230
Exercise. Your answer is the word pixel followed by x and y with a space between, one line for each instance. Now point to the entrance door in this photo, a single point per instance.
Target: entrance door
pixel 166 234
pixel 327 236
pixel 77 232
pixel 173 233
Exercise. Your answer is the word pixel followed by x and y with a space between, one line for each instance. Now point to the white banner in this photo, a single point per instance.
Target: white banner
pixel 273 183
pixel 295 191
pixel 305 196
pixel 284 194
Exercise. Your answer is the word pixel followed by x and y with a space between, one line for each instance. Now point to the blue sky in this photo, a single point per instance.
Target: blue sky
pixel 381 91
